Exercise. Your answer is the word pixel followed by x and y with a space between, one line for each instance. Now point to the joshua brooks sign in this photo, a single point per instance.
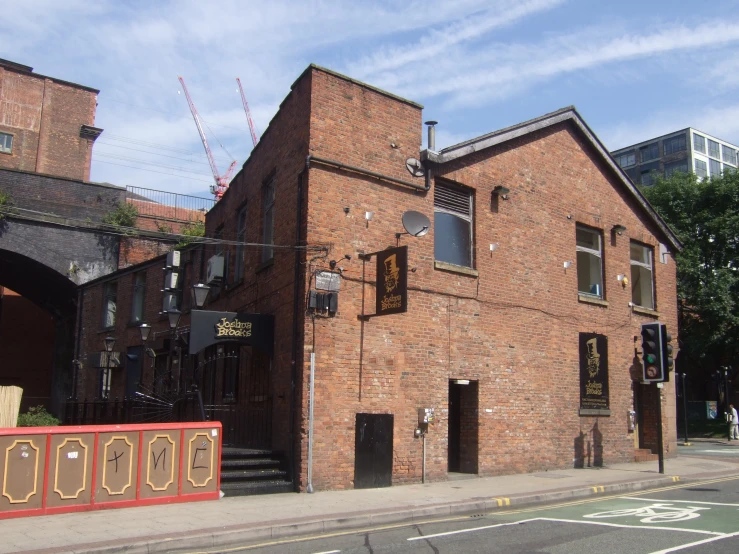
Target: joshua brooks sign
pixel 208 328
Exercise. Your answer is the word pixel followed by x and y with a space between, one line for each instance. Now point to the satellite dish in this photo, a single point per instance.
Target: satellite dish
pixel 416 223
pixel 414 167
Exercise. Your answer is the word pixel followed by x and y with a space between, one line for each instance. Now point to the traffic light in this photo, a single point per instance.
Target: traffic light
pixel 651 344
pixel 668 363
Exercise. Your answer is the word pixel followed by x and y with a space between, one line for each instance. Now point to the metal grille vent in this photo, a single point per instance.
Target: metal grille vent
pixel 452 199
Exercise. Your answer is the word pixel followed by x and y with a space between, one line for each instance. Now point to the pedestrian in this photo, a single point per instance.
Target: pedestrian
pixel 733 423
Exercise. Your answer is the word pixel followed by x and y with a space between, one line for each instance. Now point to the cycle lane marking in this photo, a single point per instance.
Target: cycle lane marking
pixel 678 501
pixel 697 543
pixel 470 530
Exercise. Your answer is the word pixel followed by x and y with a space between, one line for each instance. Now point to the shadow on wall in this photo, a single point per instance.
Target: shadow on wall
pixel 589 448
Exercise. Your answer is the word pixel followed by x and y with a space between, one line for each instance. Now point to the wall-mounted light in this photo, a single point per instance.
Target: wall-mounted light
pixel 346 210
pixel 493 248
pixel 368 216
pixel 501 191
pixel 567 265
pixel 618 229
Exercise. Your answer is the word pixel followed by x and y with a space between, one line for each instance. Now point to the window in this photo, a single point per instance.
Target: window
pixel 240 236
pixel 729 155
pixel 626 160
pixel 453 224
pixel 675 144
pixel 699 143
pixel 701 169
pixel 680 165
pixel 713 149
pixel 646 178
pixel 268 229
pixel 714 168
pixel 650 152
pixel 110 295
pixel 589 262
pixel 6 143
pixel 729 169
pixel 642 284
pixel 139 288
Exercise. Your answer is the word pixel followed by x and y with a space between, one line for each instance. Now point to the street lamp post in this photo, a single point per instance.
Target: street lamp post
pixel 109 343
pixel 174 321
pixel 685 410
pixel 726 399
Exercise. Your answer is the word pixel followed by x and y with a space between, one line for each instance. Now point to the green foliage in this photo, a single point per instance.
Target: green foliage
pixel 6 201
pixel 37 416
pixel 163 227
pixel 124 215
pixel 705 217
pixel 190 229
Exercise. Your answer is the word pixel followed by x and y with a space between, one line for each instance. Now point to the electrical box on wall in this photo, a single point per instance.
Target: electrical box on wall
pixel 215 269
pixel 324 301
pixel 173 259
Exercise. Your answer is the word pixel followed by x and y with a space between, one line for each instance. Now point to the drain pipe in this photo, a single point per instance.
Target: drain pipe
pixel 431 146
pixel 423 465
pixel 311 400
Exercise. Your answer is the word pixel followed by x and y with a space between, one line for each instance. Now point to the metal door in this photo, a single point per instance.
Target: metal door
pixel 373 451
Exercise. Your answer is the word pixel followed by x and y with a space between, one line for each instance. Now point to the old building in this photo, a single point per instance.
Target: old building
pixel 513 348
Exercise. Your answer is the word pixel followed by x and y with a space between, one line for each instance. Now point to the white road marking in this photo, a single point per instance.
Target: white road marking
pixel 732 451
pixel 328 552
pixel 424 537
pixel 704 541
pixel 448 533
pixel 676 501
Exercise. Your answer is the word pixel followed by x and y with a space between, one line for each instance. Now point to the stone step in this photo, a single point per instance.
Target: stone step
pixel 256 487
pixel 234 463
pixel 252 475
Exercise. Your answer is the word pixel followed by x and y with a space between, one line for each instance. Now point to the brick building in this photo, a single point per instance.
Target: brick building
pixel 541 262
pixel 46 124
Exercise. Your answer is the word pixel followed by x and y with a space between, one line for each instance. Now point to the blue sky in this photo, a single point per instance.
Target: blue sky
pixel 634 69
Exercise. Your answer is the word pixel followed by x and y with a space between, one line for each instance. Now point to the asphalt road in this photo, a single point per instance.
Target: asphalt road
pixel 694 518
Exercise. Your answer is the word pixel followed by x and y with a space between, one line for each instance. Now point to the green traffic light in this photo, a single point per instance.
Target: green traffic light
pixel 650 358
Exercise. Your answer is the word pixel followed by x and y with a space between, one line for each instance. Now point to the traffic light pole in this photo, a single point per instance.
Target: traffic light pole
pixel 726 401
pixel 660 446
pixel 685 410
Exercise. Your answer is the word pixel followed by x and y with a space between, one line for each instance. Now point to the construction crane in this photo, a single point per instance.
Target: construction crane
pixel 254 136
pixel 221 185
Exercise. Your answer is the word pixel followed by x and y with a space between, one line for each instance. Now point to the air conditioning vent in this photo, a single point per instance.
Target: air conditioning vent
pixel 215 270
pixel 173 259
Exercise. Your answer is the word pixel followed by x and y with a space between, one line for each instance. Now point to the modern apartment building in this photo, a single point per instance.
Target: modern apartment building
pixel 685 150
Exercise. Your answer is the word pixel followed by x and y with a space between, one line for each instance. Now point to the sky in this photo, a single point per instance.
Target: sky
pixel 633 69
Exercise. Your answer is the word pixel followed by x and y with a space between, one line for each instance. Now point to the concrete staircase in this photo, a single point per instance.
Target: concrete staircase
pixel 246 471
pixel 644 455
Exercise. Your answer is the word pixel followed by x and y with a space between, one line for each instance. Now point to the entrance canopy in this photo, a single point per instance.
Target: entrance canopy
pixel 208 328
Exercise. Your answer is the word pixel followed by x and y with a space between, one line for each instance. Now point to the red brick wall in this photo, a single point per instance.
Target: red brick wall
pixel 44 116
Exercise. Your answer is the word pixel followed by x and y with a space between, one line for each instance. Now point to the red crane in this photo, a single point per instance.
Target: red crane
pixel 254 136
pixel 221 180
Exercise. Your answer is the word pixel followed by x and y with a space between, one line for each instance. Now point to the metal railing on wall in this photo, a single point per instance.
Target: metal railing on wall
pixel 168 205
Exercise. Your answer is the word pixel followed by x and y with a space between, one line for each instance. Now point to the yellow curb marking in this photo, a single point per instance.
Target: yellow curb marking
pixel 675 478
pixel 598 489
pixel 503 501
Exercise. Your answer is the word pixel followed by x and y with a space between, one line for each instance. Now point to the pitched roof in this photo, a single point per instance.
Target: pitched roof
pixel 568 114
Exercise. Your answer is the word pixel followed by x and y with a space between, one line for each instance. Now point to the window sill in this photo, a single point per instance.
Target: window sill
pixel 645 311
pixel 453 268
pixel 591 300
pixel 106 329
pixel 264 265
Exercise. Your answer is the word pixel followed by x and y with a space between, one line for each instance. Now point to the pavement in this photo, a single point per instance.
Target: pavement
pixel 229 522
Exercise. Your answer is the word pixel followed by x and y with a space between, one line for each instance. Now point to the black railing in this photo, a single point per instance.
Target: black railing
pixel 168 205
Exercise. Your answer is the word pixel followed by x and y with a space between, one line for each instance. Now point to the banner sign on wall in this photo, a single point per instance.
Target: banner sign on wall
pixel 593 373
pixel 209 327
pixel 392 281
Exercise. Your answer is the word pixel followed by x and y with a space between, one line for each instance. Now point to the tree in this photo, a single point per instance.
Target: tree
pixel 705 217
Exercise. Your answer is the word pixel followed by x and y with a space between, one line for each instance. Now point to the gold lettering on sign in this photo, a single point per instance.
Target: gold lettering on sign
pixel 391 302
pixel 233 328
pixel 596 389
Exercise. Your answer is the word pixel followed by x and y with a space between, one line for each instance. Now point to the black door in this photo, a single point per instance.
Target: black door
pixel 454 425
pixel 134 361
pixel 373 451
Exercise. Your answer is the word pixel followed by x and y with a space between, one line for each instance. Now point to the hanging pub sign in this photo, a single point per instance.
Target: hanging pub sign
pixel 209 327
pixel 594 374
pixel 392 281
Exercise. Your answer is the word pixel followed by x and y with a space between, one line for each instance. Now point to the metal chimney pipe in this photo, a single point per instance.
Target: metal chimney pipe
pixel 432 135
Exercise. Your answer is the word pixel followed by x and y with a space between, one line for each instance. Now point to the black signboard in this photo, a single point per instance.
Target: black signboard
pixel 593 373
pixel 208 328
pixel 392 281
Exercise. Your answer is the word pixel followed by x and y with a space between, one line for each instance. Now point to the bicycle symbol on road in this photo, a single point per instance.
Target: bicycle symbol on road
pixel 656 513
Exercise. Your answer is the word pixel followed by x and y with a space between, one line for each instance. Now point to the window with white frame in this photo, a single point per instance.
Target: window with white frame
pixel 729 169
pixel 699 143
pixel 714 167
pixel 642 281
pixel 729 154
pixel 589 261
pixel 453 224
pixel 240 237
pixel 713 149
pixel 137 304
pixel 6 143
pixel 626 160
pixel 110 298
pixel 701 169
pixel 268 222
